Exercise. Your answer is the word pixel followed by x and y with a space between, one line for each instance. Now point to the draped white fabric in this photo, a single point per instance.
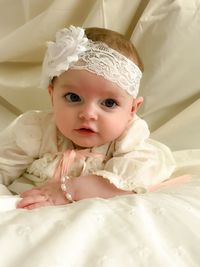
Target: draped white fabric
pixel 154 229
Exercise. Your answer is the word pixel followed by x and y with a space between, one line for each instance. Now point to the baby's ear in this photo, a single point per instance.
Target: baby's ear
pixel 136 104
pixel 50 91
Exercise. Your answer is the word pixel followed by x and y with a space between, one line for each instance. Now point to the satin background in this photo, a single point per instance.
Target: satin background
pixel 166 34
pixel 154 229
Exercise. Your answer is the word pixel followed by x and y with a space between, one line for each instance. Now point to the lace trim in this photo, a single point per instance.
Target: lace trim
pixel 113 66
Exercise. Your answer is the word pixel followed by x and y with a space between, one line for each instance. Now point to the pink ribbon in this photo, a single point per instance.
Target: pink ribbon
pixel 68 158
pixel 172 181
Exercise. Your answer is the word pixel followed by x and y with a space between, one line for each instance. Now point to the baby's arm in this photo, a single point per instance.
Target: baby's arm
pixel 95 186
pixel 140 169
pixel 82 187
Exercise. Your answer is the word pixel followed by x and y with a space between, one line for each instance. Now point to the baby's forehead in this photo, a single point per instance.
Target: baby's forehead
pixel 86 81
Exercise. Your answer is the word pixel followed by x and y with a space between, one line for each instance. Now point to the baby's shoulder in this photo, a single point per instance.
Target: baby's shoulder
pixel 136 134
pixel 34 117
pixel 28 129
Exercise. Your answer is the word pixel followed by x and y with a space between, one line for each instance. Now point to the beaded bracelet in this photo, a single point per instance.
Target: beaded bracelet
pixel 64 188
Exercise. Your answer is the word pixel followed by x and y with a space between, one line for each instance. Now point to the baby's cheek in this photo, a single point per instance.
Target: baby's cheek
pixel 115 130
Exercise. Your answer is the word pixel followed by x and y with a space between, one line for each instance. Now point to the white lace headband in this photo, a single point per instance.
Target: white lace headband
pixel 73 50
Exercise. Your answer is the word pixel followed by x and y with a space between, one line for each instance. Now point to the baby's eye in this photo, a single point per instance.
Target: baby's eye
pixel 72 97
pixel 109 103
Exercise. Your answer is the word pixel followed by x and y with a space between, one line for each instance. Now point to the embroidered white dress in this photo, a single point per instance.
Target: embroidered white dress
pixel 30 146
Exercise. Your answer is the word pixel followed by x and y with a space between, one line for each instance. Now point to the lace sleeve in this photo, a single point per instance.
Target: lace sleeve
pixel 147 165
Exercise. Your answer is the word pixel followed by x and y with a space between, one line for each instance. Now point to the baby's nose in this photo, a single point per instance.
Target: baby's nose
pixel 89 112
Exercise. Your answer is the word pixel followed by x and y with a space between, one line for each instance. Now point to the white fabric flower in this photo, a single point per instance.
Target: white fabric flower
pixel 70 43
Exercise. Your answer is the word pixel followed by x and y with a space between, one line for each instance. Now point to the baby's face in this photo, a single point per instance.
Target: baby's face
pixel 88 109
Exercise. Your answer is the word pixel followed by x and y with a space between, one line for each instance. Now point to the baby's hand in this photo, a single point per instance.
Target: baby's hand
pixel 49 194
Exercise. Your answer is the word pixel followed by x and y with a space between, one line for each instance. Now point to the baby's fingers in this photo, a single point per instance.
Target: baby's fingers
pixel 38 205
pixel 31 192
pixel 29 200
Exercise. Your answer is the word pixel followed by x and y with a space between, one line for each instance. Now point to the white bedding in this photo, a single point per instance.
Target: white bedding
pixel 158 229
pixel 154 229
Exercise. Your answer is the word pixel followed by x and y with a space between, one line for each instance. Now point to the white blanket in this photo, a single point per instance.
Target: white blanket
pixel 154 229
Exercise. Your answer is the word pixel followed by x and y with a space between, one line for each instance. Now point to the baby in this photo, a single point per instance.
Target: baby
pixel 92 143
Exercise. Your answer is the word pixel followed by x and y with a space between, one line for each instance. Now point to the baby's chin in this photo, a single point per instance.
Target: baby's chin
pixel 77 146
pixel 85 146
pixel 88 144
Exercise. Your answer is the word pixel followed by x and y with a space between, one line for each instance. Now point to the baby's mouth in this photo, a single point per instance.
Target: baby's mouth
pixel 85 130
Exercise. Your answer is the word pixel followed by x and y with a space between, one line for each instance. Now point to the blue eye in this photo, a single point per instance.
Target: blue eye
pixel 72 97
pixel 109 103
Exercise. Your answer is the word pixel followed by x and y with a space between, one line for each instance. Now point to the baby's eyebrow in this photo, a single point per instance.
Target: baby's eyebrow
pixel 115 96
pixel 68 87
